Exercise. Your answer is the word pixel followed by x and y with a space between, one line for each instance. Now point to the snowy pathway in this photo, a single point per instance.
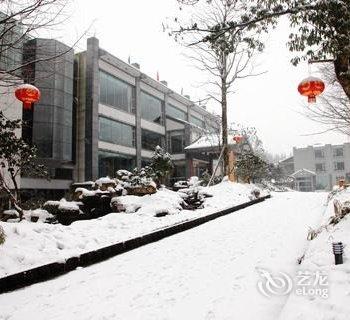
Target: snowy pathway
pixel 205 273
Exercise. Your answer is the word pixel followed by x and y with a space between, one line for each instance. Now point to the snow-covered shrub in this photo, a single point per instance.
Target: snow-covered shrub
pixel 256 192
pixel 2 235
pixel 193 198
pixel 181 184
pixel 51 207
pixel 104 183
pixel 163 202
pixel 38 215
pixel 161 164
pixel 139 182
pixel 64 211
pixel 9 215
pixel 128 204
pixel 191 182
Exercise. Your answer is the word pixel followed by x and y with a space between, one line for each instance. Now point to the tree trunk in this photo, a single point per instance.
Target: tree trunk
pixel 224 123
pixel 15 186
pixel 342 71
pixel 12 198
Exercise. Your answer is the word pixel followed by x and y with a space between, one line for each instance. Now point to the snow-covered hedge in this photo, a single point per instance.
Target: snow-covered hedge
pixel 2 235
pixel 165 201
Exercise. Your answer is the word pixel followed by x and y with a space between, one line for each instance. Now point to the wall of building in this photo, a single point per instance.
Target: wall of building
pixel 136 97
pixel 328 165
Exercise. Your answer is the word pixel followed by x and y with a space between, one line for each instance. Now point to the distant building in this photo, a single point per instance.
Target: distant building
pixel 330 163
pixel 287 166
pixel 304 180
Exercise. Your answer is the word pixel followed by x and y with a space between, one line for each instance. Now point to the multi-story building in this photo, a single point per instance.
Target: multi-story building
pixel 98 114
pixel 49 123
pixel 330 163
pixel 123 114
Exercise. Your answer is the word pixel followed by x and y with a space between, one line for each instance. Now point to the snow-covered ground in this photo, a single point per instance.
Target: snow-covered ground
pixel 319 259
pixel 32 244
pixel 209 272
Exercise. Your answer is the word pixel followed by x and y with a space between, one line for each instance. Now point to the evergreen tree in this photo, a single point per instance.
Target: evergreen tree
pixel 250 167
pixel 161 164
pixel 16 156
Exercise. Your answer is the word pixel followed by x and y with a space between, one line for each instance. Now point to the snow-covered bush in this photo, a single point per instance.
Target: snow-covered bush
pixel 191 182
pixel 64 211
pixel 139 182
pixel 161 164
pixel 104 183
pixel 159 204
pixel 38 215
pixel 2 235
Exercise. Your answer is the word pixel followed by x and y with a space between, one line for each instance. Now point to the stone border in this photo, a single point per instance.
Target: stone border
pixel 52 270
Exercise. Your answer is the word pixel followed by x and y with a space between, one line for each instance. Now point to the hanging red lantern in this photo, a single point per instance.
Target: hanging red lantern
pixel 28 94
pixel 311 87
pixel 237 139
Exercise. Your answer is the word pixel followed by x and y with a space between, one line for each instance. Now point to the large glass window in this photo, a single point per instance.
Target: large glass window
pixel 151 108
pixel 109 163
pixel 116 132
pixel 151 139
pixel 116 93
pixel 176 141
pixel 196 121
pixel 174 112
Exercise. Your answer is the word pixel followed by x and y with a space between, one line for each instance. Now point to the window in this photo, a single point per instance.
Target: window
pixel 151 139
pixel 63 173
pixel 178 173
pixel 116 93
pixel 176 141
pixel 175 112
pixel 196 121
pixel 338 152
pixel 116 132
pixel 338 166
pixel 320 167
pixel 151 108
pixel 109 163
pixel 319 154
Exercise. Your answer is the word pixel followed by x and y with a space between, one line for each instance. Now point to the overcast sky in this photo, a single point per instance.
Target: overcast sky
pixel 270 102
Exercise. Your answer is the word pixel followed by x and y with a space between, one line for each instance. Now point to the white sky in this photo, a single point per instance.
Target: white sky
pixel 270 102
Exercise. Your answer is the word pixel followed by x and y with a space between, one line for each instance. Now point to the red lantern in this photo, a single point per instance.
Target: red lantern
pixel 237 139
pixel 28 94
pixel 311 87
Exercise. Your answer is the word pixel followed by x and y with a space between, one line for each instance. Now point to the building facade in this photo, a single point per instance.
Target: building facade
pixel 123 114
pixel 49 123
pixel 304 180
pixel 329 162
pixel 98 114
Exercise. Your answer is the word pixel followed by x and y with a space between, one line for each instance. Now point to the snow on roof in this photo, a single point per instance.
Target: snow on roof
pixel 209 140
pixel 303 172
